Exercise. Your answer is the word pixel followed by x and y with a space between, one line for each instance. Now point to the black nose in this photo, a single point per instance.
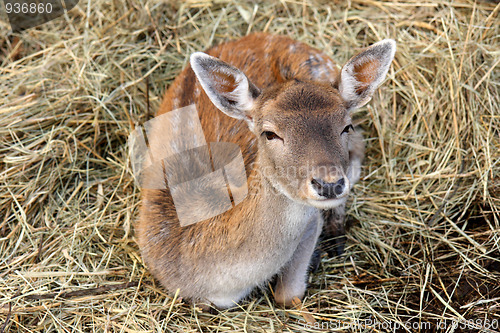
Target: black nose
pixel 328 190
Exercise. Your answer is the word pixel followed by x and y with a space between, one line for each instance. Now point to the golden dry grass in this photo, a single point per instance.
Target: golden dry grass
pixel 424 236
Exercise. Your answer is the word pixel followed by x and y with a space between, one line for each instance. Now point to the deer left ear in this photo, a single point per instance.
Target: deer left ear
pixel 227 87
pixel 362 75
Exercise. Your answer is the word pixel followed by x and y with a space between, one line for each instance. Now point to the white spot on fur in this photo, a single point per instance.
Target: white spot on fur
pixel 175 103
pixel 354 171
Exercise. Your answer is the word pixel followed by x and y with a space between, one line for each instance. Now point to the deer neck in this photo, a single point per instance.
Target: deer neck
pixel 273 209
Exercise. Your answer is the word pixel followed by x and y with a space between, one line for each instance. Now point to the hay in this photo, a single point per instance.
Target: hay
pixel 423 243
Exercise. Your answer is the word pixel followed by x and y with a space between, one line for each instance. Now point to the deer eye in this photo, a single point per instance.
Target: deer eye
pixel 270 135
pixel 347 129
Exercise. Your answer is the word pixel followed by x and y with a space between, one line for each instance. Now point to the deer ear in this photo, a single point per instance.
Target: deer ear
pixel 226 86
pixel 365 72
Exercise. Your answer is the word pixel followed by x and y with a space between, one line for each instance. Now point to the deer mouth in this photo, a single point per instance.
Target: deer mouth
pixel 325 203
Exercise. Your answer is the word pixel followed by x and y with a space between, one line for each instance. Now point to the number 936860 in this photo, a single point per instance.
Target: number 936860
pixel 28 7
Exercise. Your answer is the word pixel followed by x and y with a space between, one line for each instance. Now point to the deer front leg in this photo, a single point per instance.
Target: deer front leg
pixel 291 281
pixel 333 231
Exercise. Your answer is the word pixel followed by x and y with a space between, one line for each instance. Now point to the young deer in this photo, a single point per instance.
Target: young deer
pixel 287 106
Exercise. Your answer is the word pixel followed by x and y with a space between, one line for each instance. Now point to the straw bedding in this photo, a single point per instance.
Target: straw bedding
pixel 423 225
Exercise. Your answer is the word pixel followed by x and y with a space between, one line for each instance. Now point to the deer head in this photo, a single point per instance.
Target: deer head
pixel 302 127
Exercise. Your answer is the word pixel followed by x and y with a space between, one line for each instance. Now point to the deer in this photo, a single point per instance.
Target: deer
pixel 286 105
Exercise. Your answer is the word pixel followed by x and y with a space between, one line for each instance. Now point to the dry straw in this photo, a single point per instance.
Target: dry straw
pixel 424 236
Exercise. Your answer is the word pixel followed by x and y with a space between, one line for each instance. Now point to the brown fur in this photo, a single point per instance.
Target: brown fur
pixel 301 103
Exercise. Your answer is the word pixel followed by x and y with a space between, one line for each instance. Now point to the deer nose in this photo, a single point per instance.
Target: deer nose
pixel 328 190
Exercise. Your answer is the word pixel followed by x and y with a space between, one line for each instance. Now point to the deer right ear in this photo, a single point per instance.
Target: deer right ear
pixel 365 72
pixel 226 86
